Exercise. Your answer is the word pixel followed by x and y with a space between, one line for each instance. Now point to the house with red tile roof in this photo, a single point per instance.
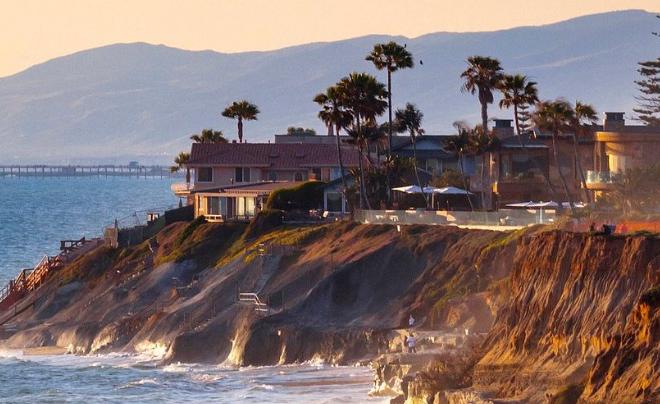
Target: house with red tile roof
pixel 234 180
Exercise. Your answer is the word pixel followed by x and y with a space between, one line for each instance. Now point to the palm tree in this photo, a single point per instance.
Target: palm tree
pixel 409 120
pixel 460 145
pixel 555 117
pixel 209 136
pixel 483 144
pixel 241 110
pixel 581 113
pixel 519 92
pixel 363 97
pixel 483 75
pixel 332 113
pixel 361 137
pixel 181 160
pixel 391 57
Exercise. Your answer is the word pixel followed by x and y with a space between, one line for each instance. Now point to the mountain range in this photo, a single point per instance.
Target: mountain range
pixel 143 101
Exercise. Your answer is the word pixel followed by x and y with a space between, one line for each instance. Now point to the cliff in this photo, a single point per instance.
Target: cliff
pixel 331 292
pixel 580 321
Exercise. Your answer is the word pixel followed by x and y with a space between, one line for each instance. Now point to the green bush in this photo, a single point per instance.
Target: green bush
pixel 265 221
pixel 308 195
pixel 190 229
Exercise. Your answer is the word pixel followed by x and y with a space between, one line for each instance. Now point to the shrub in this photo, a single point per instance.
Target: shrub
pixel 190 229
pixel 308 195
pixel 265 221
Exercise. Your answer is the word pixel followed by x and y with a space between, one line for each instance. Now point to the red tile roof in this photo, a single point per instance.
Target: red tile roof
pixel 273 155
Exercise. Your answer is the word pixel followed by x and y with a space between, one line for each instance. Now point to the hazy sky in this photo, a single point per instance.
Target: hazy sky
pixel 33 31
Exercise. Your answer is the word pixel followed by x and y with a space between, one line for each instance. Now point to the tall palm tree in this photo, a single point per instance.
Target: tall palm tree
pixel 460 145
pixel 364 98
pixel 333 113
pixel 482 76
pixel 582 113
pixel 209 136
pixel 241 110
pixel 519 92
pixel 409 120
pixel 391 57
pixel 483 144
pixel 181 160
pixel 555 117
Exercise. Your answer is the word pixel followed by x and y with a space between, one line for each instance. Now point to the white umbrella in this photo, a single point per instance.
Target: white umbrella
pixel 451 191
pixel 409 189
pixel 520 204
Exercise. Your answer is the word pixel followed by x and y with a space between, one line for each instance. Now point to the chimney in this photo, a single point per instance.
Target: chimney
pixel 613 121
pixel 503 128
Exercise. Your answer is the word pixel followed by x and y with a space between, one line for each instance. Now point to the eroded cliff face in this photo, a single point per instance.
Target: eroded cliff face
pixel 574 317
pixel 340 290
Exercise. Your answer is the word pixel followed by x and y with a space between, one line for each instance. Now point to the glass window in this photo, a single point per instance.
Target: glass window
pixel 272 176
pixel 213 205
pixel 333 202
pixel 242 174
pixel 205 174
pixel 250 206
pixel 298 176
pixel 240 206
pixel 432 165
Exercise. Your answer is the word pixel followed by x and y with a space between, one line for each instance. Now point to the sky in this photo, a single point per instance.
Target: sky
pixel 34 31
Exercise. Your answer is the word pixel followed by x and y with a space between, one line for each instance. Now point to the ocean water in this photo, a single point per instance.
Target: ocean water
pixel 122 379
pixel 35 214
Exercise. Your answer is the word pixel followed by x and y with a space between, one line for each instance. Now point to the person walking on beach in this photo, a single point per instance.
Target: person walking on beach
pixel 411 322
pixel 411 341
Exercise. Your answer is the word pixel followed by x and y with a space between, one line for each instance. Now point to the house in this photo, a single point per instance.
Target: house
pixel 233 180
pixel 517 178
pixel 620 147
pixel 431 155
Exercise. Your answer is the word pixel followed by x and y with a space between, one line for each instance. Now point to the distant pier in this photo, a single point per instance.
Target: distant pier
pixel 95 171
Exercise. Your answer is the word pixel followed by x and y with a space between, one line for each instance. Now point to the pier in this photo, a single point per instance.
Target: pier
pixel 87 171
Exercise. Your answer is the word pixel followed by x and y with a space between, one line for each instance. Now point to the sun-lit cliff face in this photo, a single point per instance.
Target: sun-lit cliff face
pixel 574 318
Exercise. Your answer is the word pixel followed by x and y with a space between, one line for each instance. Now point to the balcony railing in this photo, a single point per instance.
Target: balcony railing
pixel 602 177
pixel 180 187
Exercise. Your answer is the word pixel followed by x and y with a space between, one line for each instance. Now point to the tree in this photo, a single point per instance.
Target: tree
pixel 649 87
pixel 582 113
pixel 181 160
pixel 519 92
pixel 209 136
pixel 391 57
pixel 241 110
pixel 555 117
pixel 333 113
pixel 292 130
pixel 482 144
pixel 361 137
pixel 409 120
pixel 460 145
pixel 482 76
pixel 363 97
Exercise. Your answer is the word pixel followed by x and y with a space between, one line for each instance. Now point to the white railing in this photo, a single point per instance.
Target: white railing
pixel 254 299
pixel 601 177
pixel 181 187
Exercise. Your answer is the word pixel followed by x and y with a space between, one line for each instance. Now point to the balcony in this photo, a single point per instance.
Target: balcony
pixel 601 180
pixel 181 188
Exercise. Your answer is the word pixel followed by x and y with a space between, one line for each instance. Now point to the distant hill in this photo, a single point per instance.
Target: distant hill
pixel 145 100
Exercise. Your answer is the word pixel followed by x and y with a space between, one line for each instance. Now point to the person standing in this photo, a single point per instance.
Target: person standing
pixel 411 341
pixel 411 322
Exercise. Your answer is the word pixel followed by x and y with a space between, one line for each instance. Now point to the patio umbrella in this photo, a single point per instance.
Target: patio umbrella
pixel 520 204
pixel 451 191
pixel 409 189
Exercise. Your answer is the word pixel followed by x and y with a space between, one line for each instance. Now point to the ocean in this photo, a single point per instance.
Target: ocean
pixel 35 214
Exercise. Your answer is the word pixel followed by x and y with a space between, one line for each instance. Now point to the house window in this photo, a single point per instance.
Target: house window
pixel 432 165
pixel 242 174
pixel 317 173
pixel 205 174
pixel 298 176
pixel 272 176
